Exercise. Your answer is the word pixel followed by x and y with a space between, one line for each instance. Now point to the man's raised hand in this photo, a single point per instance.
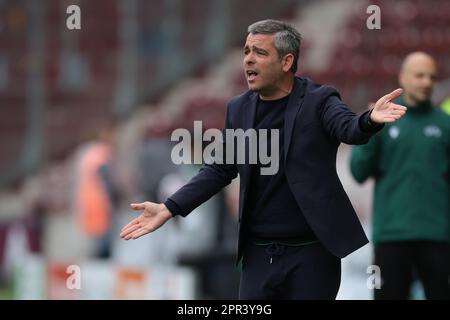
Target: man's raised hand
pixel 385 111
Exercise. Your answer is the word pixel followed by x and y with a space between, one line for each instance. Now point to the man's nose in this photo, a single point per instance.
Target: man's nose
pixel 249 59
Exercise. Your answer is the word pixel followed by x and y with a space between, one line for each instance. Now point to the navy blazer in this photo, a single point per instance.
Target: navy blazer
pixel 316 122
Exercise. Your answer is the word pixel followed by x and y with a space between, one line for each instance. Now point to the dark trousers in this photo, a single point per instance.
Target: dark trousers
pixel 400 261
pixel 289 272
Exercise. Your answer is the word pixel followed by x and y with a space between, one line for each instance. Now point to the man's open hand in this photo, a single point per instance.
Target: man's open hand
pixel 153 217
pixel 385 111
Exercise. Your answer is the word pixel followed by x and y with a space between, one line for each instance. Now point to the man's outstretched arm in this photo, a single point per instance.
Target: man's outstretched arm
pixel 345 126
pixel 210 179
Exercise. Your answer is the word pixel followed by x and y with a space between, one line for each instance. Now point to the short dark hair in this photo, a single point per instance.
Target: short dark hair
pixel 286 40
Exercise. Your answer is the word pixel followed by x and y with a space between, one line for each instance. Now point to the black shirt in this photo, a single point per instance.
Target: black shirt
pixel 273 211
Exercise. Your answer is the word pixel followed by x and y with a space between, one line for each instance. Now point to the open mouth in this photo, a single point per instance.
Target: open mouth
pixel 251 75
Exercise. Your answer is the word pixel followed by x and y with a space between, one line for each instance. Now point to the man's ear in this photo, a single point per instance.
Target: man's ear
pixel 287 62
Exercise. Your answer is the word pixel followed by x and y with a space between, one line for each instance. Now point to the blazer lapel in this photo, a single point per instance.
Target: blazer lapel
pixel 294 104
pixel 249 112
pixel 248 122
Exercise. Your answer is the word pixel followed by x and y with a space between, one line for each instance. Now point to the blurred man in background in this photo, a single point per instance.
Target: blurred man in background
pixel 92 192
pixel 410 162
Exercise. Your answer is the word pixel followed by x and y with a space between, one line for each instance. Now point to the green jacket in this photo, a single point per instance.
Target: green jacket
pixel 410 161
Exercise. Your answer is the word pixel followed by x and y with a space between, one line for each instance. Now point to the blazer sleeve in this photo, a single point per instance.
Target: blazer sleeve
pixel 342 123
pixel 210 179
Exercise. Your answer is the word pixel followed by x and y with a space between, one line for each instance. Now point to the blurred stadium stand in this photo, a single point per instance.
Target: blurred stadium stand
pixel 365 62
pixel 57 85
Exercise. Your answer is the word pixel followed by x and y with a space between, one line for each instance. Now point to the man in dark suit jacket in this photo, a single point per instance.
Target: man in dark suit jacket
pixel 295 225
